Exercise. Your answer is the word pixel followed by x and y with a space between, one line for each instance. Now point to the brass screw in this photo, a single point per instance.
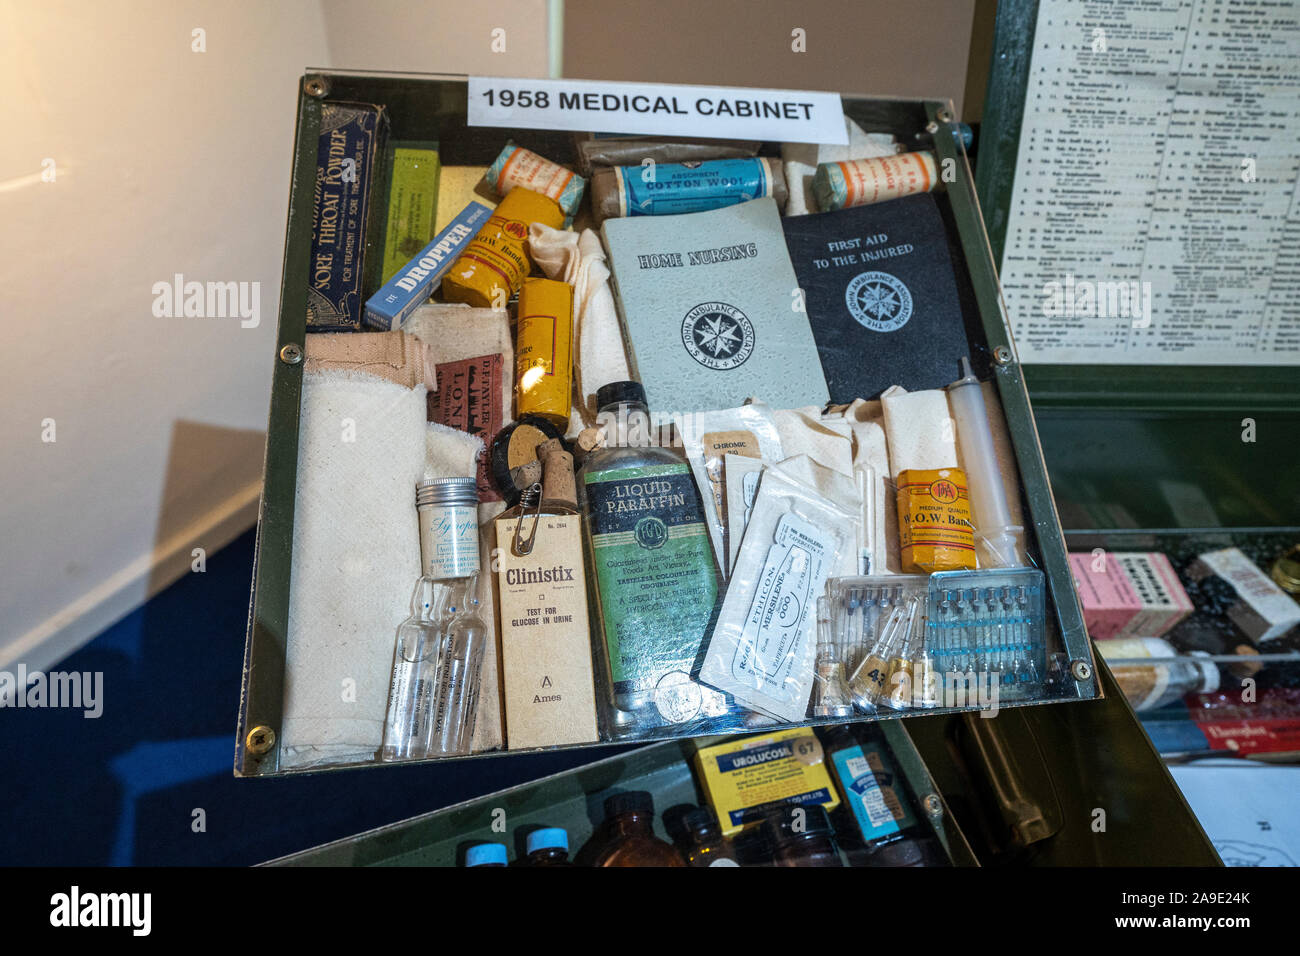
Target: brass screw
pixel 1002 355
pixel 260 740
pixel 933 805
pixel 291 354
pixel 316 86
pixel 943 116
pixel 1081 670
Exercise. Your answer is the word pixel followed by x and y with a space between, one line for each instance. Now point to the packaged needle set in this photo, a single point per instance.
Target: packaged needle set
pixel 622 437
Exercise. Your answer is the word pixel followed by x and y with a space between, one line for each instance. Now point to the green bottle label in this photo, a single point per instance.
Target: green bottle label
pixel 655 570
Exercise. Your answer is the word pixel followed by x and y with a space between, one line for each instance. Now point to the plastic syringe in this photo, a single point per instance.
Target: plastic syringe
pixel 997 540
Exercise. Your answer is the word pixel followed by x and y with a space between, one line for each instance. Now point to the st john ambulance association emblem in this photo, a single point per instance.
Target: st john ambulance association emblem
pixel 878 301
pixel 718 335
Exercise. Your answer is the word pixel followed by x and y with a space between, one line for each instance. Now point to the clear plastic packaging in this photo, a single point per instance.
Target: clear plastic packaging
pixel 990 626
pixel 763 648
pixel 708 437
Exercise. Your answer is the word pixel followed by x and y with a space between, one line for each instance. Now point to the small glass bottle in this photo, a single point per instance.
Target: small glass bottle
pixel 460 668
pixel 449 547
pixel 548 847
pixel 627 836
pixel 707 846
pixel 831 696
pixel 486 854
pixel 802 836
pixel 645 522
pixel 1168 675
pixel 868 684
pixel 408 725
pixel 872 789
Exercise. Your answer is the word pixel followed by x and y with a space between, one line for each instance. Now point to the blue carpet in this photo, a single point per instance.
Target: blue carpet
pixel 132 786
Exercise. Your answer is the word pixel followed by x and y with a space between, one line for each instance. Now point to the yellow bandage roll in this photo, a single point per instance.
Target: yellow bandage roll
pixel 544 351
pixel 494 264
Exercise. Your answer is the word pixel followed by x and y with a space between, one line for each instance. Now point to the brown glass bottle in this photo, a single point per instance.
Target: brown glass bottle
pixel 548 847
pixel 707 846
pixel 801 836
pixel 627 836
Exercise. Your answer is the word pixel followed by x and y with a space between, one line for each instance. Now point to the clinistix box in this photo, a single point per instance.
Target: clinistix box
pixel 745 778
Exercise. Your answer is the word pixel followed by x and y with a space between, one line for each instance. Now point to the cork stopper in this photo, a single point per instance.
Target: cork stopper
pixel 557 473
pixel 529 473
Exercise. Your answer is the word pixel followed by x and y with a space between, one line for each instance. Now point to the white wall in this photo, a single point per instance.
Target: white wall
pixel 165 161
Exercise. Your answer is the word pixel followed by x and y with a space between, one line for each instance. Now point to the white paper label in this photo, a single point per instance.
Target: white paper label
pixel 658 109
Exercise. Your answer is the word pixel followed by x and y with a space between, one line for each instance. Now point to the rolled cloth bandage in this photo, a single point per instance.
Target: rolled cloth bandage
pixel 666 189
pixel 800 162
pixel 920 430
pixel 599 351
pixel 394 356
pixel 517 166
pixel 356 557
pixel 595 150
pixel 861 182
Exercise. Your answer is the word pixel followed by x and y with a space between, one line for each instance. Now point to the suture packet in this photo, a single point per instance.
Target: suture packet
pixel 764 644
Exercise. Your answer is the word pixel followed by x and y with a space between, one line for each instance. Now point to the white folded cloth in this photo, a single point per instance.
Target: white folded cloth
pixel 827 441
pixel 920 429
pixel 356 557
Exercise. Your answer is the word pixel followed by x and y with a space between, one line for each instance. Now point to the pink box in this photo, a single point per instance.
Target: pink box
pixel 1128 593
pixel 1109 601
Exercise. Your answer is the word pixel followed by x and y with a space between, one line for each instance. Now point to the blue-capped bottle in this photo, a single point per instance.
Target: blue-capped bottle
pixel 486 854
pixel 548 847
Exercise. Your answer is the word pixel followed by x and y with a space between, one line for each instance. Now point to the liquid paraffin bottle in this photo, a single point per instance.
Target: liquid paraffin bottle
pixel 627 836
pixel 654 575
pixel 449 548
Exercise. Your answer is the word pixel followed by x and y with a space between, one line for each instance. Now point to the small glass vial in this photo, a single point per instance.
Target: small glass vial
pixel 831 697
pixel 802 836
pixel 486 854
pixel 707 846
pixel 449 551
pixel 548 847
pixel 412 693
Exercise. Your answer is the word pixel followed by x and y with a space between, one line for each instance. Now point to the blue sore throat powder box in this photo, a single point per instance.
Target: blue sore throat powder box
pixel 351 138
pixel 412 285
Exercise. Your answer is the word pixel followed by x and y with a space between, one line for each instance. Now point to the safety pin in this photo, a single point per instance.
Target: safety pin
pixel 531 498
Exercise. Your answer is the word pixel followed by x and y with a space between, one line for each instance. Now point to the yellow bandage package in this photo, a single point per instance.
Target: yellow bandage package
pixel 743 779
